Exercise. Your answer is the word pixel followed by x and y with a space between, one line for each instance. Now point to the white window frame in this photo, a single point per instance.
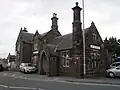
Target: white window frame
pixel 66 59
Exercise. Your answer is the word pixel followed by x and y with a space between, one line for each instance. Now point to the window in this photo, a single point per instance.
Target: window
pixel 113 64
pixel 117 64
pixel 35 59
pixel 94 37
pixel 65 59
pixel 35 46
pixel 95 58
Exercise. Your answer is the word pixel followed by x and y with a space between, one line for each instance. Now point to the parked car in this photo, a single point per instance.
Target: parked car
pixel 1 67
pixel 115 64
pixel 113 72
pixel 27 68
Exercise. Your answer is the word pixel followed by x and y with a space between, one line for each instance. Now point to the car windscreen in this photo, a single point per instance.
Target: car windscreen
pixel 30 65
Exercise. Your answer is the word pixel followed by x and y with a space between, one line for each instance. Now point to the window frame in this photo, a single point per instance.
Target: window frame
pixel 65 59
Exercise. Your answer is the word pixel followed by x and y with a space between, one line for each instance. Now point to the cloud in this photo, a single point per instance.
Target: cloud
pixel 36 15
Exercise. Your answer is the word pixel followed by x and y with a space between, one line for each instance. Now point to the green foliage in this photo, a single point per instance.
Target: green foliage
pixel 112 45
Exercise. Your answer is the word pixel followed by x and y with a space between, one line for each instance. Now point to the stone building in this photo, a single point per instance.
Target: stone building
pixel 57 54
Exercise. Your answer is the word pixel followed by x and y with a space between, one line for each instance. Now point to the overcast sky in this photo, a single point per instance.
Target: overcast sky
pixel 36 15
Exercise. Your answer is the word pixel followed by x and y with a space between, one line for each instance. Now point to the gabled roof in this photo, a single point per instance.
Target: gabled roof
pixel 63 42
pixel 24 35
pixel 27 36
pixel 46 33
pixel 37 34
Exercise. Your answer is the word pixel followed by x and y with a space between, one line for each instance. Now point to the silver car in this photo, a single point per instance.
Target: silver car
pixel 115 64
pixel 113 72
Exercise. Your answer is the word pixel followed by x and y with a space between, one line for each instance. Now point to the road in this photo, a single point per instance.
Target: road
pixel 13 83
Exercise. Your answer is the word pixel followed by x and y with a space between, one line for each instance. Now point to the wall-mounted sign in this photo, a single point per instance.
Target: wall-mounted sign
pixel 95 47
pixel 35 52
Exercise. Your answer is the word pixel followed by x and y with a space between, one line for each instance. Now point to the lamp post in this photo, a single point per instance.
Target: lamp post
pixel 84 40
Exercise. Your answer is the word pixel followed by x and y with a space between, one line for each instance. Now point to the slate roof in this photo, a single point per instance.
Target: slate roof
pixel 27 36
pixel 87 29
pixel 65 41
pixel 61 42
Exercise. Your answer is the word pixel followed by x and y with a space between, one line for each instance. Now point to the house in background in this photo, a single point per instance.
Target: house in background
pixel 57 54
pixel 11 58
pixel 11 61
pixel 4 63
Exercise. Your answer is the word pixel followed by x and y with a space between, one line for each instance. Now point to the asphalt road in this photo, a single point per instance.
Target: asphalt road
pixel 10 83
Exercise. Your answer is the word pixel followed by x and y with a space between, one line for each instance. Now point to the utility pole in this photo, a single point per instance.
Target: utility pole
pixel 84 40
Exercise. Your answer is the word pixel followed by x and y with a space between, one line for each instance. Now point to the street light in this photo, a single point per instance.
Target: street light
pixel 84 40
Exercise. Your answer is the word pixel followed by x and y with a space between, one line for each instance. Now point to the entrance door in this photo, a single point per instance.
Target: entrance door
pixel 44 64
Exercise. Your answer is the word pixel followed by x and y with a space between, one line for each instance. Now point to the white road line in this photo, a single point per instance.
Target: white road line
pixel 5 74
pixel 13 75
pixel 100 84
pixel 23 87
pixel 40 89
pixel 4 86
pixel 69 82
pixel 23 77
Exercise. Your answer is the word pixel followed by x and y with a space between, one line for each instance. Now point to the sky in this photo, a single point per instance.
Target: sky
pixel 37 14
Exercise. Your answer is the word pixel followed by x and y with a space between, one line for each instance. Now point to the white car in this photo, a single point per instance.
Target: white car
pixel 113 72
pixel 27 68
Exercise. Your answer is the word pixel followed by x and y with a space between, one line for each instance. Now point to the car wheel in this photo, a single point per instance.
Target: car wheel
pixel 24 71
pixel 111 74
pixel 19 70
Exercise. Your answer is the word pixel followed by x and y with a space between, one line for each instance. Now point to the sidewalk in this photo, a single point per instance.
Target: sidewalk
pixel 97 80
pixel 101 80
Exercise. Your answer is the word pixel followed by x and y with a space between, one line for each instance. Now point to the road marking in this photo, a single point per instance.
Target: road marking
pixel 40 89
pixel 5 74
pixel 4 86
pixel 69 82
pixel 13 75
pixel 100 84
pixel 23 87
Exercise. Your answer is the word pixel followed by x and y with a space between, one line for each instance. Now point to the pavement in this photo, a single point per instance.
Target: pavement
pixel 20 81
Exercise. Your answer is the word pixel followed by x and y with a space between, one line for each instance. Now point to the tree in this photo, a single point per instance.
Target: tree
pixel 112 45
